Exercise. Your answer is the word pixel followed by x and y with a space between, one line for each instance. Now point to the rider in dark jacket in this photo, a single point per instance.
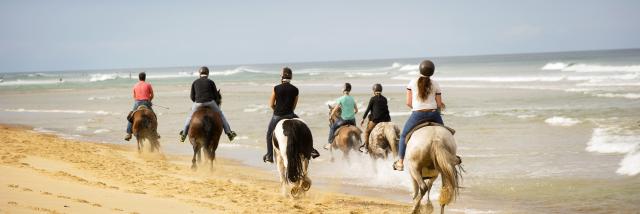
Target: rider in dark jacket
pixel 204 93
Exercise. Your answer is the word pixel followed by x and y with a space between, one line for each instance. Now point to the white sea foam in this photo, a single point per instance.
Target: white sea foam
pixel 561 121
pixel 256 108
pixel 561 66
pixel 617 95
pixel 30 82
pixel 617 140
pixel 102 77
pixel 526 116
pixel 503 79
pixel 630 165
pixel 81 128
pixel 607 140
pixel 100 131
pixel 409 67
pixel 365 74
pixel 100 112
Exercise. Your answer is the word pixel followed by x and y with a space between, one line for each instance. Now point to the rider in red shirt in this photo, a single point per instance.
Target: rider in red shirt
pixel 142 94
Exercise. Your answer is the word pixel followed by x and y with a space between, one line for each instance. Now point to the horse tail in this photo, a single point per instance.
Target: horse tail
pixel 208 125
pixel 445 163
pixel 299 146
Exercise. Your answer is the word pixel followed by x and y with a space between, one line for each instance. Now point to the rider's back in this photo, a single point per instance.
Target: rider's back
pixel 203 90
pixel 286 94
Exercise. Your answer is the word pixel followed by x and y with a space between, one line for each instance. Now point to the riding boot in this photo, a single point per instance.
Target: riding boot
pixel 315 154
pixel 127 137
pixel 267 158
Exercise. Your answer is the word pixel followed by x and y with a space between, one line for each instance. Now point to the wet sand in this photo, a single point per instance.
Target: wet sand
pixel 45 173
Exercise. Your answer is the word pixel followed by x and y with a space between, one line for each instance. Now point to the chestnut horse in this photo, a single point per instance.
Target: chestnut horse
pixel 145 124
pixel 347 137
pixel 204 133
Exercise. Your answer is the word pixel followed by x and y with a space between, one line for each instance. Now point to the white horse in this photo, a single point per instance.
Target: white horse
pixel 431 151
pixel 292 146
pixel 383 140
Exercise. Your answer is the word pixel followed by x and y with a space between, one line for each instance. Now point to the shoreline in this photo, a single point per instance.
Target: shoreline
pixel 44 172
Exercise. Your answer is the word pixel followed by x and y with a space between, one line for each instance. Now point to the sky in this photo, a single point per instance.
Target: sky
pixel 76 35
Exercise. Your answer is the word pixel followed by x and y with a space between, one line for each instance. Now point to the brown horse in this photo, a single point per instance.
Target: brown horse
pixel 347 137
pixel 144 128
pixel 204 133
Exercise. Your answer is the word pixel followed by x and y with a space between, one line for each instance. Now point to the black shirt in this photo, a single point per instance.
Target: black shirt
pixel 203 90
pixel 285 97
pixel 379 109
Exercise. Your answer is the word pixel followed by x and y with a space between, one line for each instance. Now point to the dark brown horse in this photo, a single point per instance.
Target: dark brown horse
pixel 204 133
pixel 145 124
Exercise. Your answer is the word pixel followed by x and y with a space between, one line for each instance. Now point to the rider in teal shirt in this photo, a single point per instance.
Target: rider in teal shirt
pixel 348 116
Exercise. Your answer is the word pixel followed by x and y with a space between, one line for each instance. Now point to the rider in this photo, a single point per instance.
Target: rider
pixel 283 101
pixel 142 94
pixel 425 100
pixel 379 112
pixel 347 116
pixel 204 93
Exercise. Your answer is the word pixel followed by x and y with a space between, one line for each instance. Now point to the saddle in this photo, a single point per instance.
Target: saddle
pixel 424 123
pixel 131 113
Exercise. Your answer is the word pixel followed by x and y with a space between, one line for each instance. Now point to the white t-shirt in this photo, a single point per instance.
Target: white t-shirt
pixel 430 102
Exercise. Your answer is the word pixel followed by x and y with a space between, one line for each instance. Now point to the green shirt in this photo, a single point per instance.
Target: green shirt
pixel 347 104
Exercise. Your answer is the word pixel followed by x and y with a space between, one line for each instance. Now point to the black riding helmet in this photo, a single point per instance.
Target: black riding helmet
pixel 204 70
pixel 347 87
pixel 287 73
pixel 377 87
pixel 427 67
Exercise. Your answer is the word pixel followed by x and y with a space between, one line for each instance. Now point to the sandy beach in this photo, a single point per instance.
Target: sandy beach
pixel 45 173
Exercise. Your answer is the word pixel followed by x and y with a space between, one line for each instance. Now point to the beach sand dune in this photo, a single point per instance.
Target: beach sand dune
pixel 45 173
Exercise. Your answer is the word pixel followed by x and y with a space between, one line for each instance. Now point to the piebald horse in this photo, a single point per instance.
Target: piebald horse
pixel 431 151
pixel 383 140
pixel 144 128
pixel 204 133
pixel 347 137
pixel 292 145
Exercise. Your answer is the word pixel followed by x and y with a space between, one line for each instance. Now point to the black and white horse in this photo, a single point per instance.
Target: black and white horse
pixel 292 146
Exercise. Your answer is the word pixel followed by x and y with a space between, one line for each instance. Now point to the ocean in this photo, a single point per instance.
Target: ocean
pixel 539 132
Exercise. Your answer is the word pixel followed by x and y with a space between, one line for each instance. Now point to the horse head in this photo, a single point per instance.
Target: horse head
pixel 333 117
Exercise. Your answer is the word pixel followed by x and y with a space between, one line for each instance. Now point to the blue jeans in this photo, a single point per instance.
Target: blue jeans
pixel 212 105
pixel 413 121
pixel 339 122
pixel 272 125
pixel 135 106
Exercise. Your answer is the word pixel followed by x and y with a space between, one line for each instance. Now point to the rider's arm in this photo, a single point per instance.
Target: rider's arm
pixel 409 96
pixel 366 112
pixel 151 93
pixel 295 103
pixel 272 100
pixel 134 93
pixel 441 105
pixel 193 93
pixel 355 108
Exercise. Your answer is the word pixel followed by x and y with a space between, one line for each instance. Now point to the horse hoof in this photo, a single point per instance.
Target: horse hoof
pixel 306 185
pixel 194 167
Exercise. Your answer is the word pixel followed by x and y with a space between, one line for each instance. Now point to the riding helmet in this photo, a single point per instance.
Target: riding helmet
pixel 377 87
pixel 427 67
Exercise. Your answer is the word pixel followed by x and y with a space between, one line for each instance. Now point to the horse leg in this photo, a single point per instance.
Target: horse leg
pixel 416 175
pixel 429 185
pixel 196 150
pixel 139 143
pixel 282 171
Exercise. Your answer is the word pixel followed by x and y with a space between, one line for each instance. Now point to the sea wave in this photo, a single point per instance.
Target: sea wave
pixel 19 82
pixel 102 77
pixel 561 121
pixel 21 110
pixel 562 66
pixel 616 140
pixel 619 95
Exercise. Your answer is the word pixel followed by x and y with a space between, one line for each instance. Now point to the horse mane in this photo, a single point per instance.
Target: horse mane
pixel 299 146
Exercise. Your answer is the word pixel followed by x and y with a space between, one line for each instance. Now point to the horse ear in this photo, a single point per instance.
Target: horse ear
pixel 329 106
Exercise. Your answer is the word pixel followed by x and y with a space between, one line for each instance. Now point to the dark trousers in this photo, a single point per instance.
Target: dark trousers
pixel 339 122
pixel 272 125
pixel 135 106
pixel 413 121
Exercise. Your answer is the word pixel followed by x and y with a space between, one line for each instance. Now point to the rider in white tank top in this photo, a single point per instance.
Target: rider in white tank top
pixel 430 102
